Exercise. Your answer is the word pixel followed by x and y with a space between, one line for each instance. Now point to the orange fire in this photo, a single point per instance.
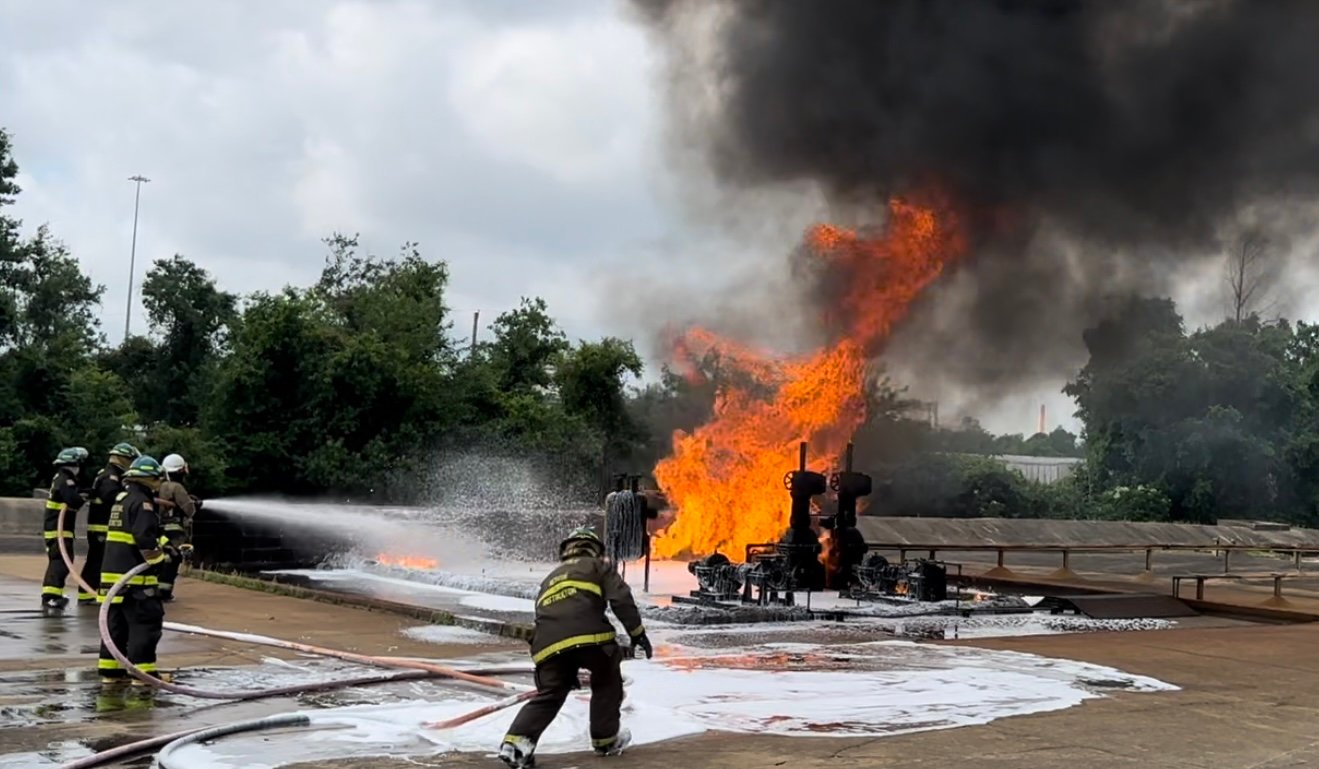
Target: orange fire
pixel 407 561
pixel 725 479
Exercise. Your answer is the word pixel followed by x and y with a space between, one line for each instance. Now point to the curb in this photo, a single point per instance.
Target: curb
pixel 516 630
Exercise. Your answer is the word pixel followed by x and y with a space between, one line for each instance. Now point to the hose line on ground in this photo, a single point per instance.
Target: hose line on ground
pixel 132 749
pixel 134 671
pixel 103 622
pixel 166 755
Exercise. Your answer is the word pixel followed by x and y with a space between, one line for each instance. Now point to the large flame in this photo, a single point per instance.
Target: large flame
pixel 725 480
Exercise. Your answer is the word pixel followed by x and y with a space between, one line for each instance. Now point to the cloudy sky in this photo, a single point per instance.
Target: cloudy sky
pixel 519 141
pixel 514 140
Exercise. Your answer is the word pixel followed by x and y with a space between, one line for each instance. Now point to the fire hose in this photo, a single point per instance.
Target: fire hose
pixel 103 622
pixel 415 668
pixel 135 672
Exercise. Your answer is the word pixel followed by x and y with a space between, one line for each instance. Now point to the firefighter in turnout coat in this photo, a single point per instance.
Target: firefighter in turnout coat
pixel 64 499
pixel 105 490
pixel 177 507
pixel 136 615
pixel 572 633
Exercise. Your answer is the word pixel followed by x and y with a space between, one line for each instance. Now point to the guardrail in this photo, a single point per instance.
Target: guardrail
pixel 1066 551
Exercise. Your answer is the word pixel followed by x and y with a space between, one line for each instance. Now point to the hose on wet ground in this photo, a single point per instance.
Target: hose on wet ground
pixel 135 672
pixel 139 747
pixel 165 759
pixel 103 622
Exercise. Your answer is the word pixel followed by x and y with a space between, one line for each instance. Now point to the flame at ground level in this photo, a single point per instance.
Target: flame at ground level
pixel 726 479
pixel 406 561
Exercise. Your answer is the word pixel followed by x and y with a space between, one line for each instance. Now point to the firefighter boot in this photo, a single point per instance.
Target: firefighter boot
pixel 53 605
pixel 518 753
pixel 619 744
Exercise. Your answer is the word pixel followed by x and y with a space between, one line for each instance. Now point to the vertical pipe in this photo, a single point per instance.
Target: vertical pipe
pixel 801 456
pixel 476 317
pixel 645 580
pixel 847 458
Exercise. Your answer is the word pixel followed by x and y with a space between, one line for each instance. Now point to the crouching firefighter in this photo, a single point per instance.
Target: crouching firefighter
pixel 136 614
pixel 572 633
pixel 105 490
pixel 177 508
pixel 64 500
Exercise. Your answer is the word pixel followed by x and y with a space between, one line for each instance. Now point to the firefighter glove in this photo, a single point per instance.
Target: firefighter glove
pixel 642 642
pixel 172 553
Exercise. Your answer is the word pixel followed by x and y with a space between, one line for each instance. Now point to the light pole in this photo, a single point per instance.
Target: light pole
pixel 132 256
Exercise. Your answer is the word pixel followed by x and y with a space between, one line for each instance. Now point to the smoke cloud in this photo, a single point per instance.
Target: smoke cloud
pixel 1093 148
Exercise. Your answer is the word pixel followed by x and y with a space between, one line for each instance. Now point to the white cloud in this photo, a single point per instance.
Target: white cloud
pixel 505 138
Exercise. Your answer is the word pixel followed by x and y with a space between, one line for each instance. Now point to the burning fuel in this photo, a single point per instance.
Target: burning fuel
pixel 407 561
pixel 725 479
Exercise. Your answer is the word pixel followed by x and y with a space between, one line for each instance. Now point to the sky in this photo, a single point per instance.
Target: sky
pixel 521 142
pixel 512 141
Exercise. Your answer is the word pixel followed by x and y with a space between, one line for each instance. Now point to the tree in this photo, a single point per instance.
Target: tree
pixel 268 388
pixel 401 300
pixel 526 345
pixel 1249 274
pixel 191 316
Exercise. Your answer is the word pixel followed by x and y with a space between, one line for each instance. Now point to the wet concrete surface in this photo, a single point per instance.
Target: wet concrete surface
pixel 29 638
pixel 53 707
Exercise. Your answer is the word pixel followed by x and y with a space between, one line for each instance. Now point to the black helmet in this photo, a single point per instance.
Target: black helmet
pixel 582 541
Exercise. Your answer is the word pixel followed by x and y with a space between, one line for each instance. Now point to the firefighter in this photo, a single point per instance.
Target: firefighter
pixel 177 508
pixel 136 615
pixel 572 633
pixel 106 487
pixel 64 498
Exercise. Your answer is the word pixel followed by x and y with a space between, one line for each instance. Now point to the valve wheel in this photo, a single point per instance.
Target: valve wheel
pixel 787 480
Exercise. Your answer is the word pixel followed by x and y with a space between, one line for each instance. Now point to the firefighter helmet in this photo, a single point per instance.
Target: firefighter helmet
pixel 581 540
pixel 174 464
pixel 125 450
pixel 71 457
pixel 143 467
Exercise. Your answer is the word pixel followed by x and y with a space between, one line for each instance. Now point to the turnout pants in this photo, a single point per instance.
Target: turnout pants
pixel 91 567
pixel 57 573
pixel 556 677
pixel 136 625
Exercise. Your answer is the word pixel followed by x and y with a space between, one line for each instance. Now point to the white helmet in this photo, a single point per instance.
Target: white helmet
pixel 174 464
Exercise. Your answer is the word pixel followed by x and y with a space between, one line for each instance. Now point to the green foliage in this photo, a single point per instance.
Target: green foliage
pixel 191 316
pixel 1132 503
pixel 526 346
pixel 931 485
pixel 208 471
pixel 98 411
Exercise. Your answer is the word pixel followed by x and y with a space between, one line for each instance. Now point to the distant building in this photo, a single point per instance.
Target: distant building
pixel 1044 470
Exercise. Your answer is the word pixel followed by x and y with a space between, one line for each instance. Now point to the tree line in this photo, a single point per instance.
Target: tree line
pixel 351 386
pixel 355 386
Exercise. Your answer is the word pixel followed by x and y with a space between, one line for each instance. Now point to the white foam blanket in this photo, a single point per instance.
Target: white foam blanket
pixel 870 689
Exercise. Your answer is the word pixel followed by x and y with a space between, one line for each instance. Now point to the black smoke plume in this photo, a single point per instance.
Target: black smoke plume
pixel 1097 146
